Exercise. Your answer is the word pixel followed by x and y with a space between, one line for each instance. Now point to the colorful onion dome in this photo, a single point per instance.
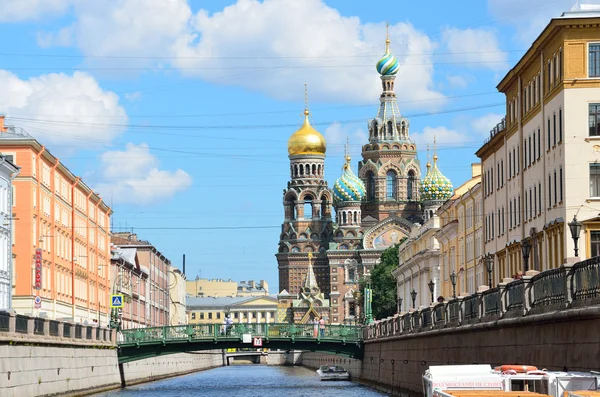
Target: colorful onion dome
pixel 388 64
pixel 348 187
pixel 306 140
pixel 435 186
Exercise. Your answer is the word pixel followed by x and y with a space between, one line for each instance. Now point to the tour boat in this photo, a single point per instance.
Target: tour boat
pixel 333 372
pixel 442 380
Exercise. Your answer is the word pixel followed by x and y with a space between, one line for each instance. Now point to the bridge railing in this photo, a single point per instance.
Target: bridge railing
pixel 563 288
pixel 18 328
pixel 216 332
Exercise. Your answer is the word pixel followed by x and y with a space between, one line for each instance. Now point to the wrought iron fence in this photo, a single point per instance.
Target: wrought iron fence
pixel 515 293
pixel 78 331
pixel 454 310
pixel 471 304
pixel 88 333
pixel 38 326
pixel 54 327
pixel 491 301
pixel 585 280
pixel 440 314
pixel 66 330
pixel 426 318
pixel 21 324
pixel 549 287
pixel 4 321
pixel 406 323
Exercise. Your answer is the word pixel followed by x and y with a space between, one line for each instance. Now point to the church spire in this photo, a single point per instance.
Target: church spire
pixel 310 281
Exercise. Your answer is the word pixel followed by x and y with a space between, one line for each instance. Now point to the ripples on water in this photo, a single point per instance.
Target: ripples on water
pixel 247 381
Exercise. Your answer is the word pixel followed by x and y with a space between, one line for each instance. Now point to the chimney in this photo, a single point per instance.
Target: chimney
pixel 475 170
pixel 2 128
pixel 251 283
pixel 184 264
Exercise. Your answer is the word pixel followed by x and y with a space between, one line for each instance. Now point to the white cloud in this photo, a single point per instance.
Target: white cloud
pixel 457 81
pixel 271 46
pixel 135 178
pixel 133 96
pixel 443 136
pixel 59 108
pixel 20 10
pixel 476 47
pixel 336 135
pixel 483 124
pixel 528 17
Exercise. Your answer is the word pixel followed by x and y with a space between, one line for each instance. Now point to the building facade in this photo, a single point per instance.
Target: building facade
pixel 203 287
pixel 252 288
pixel 241 309
pixel 8 171
pixel 534 183
pixel 130 279
pixel 177 297
pixel 373 210
pixel 461 238
pixel 61 244
pixel 156 286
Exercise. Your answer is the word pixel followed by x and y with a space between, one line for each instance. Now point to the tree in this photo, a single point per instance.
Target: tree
pixel 383 284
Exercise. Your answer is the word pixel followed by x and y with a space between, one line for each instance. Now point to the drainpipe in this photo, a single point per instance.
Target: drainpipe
pixel 77 179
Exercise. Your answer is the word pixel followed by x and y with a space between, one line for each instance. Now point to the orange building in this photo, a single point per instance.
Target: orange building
pixel 61 236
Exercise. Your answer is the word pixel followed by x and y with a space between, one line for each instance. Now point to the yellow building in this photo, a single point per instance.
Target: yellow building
pixel 541 166
pixel 211 287
pixel 460 237
pixel 207 310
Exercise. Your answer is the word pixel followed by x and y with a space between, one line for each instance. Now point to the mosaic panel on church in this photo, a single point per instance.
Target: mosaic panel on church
pixel 386 238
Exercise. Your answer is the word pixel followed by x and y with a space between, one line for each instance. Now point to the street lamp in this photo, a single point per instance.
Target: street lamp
pixel 431 287
pixel 526 249
pixel 413 295
pixel 575 227
pixel 453 281
pixel 399 304
pixel 489 263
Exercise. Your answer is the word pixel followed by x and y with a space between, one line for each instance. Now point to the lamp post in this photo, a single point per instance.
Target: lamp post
pixel 526 250
pixel 453 281
pixel 431 287
pixel 575 227
pixel 413 295
pixel 489 263
pixel 399 304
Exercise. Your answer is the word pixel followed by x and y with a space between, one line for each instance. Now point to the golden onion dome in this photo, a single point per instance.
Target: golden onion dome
pixel 306 140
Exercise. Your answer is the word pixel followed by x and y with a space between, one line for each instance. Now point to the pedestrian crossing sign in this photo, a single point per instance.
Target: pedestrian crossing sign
pixel 116 301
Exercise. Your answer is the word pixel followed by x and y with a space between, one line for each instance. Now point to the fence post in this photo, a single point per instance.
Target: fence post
pixel 30 325
pixel 480 308
pixel 503 294
pixel 528 288
pixel 570 285
pixel 12 322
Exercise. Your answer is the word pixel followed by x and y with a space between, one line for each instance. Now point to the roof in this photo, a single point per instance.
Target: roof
pixel 224 301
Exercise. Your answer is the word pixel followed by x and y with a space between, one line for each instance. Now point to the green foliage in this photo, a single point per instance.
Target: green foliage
pixel 383 284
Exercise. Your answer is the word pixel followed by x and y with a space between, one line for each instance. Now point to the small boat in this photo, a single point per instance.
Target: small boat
pixel 333 372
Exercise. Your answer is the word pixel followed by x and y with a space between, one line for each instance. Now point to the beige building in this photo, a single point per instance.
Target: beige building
pixel 461 238
pixel 541 166
pixel 203 287
pixel 252 288
pixel 177 297
pixel 209 310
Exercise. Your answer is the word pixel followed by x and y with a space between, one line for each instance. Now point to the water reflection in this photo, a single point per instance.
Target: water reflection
pixel 247 380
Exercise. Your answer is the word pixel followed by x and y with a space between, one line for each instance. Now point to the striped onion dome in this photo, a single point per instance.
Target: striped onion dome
pixel 435 186
pixel 388 64
pixel 348 187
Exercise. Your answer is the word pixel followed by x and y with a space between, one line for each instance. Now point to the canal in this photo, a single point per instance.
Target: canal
pixel 247 380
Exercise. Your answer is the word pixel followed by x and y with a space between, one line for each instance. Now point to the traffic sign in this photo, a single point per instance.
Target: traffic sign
pixel 37 302
pixel 116 301
pixel 257 342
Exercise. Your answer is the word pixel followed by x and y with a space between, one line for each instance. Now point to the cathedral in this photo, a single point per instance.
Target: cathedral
pixel 322 257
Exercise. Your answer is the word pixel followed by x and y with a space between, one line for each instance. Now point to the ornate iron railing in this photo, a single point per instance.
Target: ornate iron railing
pixel 440 314
pixel 454 310
pixel 426 318
pixel 549 287
pixel 471 304
pixel 515 295
pixel 585 279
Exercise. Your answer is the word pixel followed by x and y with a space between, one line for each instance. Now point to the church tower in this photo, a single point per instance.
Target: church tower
pixel 390 169
pixel 435 189
pixel 307 225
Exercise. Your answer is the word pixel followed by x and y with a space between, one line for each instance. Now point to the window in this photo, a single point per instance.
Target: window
pixel 555 189
pixel 218 315
pixel 510 215
pixel 502 171
pixel 529 153
pixel 560 125
pixel 595 180
pixel 540 142
pixel 554 123
pixel 594 60
pixel 391 185
pixel 519 201
pixel 201 316
pixel 370 186
pixel 193 316
pixel 548 141
pixel 410 185
pixel 308 207
pixel 210 316
pixel 540 198
pixel 594 119
pixel 549 191
pixel 534 200
pixel 514 161
pixel 509 165
pixel 595 243
pixel 560 178
pixel 525 152
pixel 533 149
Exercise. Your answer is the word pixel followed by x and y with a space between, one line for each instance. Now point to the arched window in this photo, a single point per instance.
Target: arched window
pixel 314 169
pixel 391 185
pixel 344 218
pixel 308 207
pixel 410 185
pixel 355 217
pixel 370 186
pixel 390 129
pixel 301 169
pixel 324 206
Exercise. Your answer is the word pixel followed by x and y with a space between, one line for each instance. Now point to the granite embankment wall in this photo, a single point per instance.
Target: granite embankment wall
pixel 171 365
pixel 554 340
pixel 315 360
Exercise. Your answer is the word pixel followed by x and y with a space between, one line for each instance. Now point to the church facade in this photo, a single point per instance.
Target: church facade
pixel 332 237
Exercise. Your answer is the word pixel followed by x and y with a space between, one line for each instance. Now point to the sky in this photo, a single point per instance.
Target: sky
pixel 178 112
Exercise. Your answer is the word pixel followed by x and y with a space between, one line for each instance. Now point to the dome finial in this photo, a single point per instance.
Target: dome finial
pixel 435 157
pixel 347 157
pixel 428 162
pixel 387 37
pixel 306 112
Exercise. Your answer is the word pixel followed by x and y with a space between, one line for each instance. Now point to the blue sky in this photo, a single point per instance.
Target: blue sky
pixel 178 112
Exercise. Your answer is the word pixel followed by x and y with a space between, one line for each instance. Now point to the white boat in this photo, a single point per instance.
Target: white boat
pixel 333 372
pixel 440 381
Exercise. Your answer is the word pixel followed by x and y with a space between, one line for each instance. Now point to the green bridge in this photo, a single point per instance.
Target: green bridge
pixel 140 343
